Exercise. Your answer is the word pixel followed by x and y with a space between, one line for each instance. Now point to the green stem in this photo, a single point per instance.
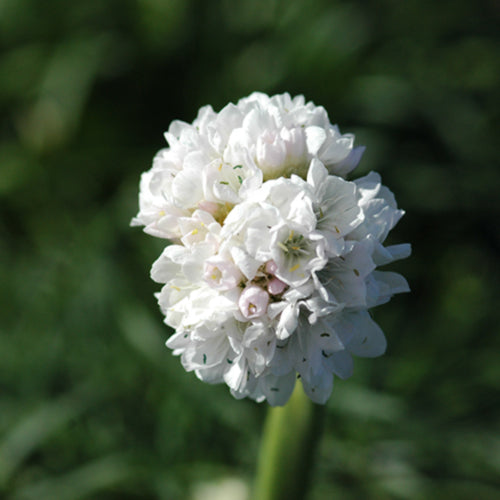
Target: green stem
pixel 286 457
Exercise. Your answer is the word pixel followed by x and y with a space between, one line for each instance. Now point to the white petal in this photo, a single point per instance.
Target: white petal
pixel 342 364
pixel 288 322
pixel 385 255
pixel 389 284
pixel 317 174
pixel 187 188
pixel 336 149
pixel 247 264
pixel 368 340
pixel 278 389
pixel 315 137
pixel 349 163
pixel 318 388
pixel 236 376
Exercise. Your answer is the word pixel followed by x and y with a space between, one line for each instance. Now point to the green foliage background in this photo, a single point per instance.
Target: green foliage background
pixel 92 406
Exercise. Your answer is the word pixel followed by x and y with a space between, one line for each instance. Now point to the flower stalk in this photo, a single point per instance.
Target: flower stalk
pixel 289 442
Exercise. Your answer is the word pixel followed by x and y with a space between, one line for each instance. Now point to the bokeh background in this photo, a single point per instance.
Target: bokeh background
pixel 92 405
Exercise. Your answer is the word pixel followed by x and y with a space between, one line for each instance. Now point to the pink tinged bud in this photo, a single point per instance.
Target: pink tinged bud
pixel 253 302
pixel 222 275
pixel 276 286
pixel 271 267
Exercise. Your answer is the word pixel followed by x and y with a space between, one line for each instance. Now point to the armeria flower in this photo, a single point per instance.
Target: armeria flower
pixel 274 254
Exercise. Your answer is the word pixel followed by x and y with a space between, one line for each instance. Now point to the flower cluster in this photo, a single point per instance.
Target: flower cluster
pixel 272 266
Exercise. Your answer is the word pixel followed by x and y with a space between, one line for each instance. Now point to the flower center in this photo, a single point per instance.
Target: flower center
pixel 295 245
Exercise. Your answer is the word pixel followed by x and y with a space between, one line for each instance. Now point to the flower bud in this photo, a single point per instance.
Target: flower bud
pixel 253 302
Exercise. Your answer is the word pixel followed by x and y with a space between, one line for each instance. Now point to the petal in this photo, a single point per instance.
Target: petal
pixel 318 388
pixel 342 364
pixel 315 137
pixel 369 339
pixel 385 255
pixel 349 163
pixel 247 264
pixel 389 283
pixel 236 376
pixel 278 389
pixel 187 188
pixel 317 174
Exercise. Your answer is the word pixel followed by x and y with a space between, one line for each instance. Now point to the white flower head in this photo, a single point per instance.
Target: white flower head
pixel 273 265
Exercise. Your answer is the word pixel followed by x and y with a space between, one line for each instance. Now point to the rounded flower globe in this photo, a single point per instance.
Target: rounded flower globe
pixel 271 263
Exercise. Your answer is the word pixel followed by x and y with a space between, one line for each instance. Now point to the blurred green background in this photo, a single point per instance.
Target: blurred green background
pixel 92 405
